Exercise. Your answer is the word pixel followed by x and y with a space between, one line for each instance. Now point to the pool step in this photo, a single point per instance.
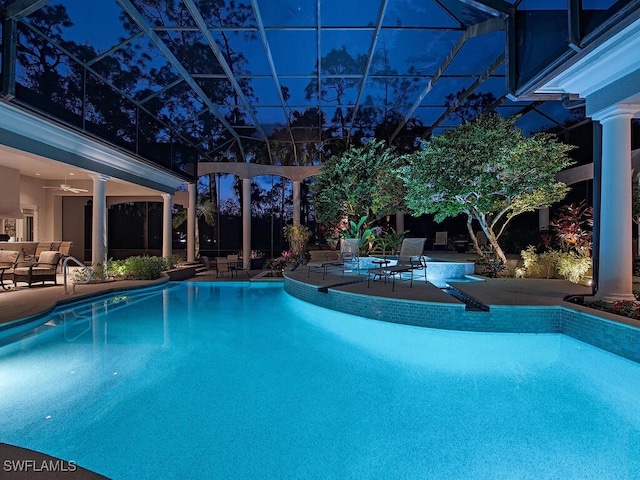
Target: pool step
pixel 471 304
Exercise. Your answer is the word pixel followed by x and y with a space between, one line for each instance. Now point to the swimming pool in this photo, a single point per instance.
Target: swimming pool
pixel 241 381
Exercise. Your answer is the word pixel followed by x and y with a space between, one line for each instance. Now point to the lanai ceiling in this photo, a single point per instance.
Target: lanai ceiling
pixel 246 80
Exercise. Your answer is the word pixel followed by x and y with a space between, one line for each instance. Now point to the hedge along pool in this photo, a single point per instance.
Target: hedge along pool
pixel 237 381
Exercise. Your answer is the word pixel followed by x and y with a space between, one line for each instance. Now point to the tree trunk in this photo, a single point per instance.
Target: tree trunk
pixel 491 237
pixel 474 239
pixel 497 250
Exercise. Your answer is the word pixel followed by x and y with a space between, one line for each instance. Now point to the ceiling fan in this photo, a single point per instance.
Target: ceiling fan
pixel 65 187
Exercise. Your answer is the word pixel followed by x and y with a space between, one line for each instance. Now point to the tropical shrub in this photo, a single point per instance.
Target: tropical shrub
pixel 531 266
pixel 297 236
pixel 172 261
pixel 98 274
pixel 569 227
pixel 553 263
pixel 625 308
pixel 116 269
pixel 491 267
pixel 359 230
pixel 573 267
pixel 144 267
pixel 132 268
pixel 388 241
pixel 287 258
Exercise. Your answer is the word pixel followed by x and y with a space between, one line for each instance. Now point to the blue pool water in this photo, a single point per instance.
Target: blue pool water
pixel 239 381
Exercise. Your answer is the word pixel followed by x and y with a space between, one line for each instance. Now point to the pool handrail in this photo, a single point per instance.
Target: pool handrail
pixel 65 265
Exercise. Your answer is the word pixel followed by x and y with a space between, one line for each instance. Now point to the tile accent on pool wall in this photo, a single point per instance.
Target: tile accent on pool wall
pixel 618 338
pixel 614 337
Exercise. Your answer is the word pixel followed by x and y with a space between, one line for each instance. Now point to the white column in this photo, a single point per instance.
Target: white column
pixel 615 270
pixel 191 223
pixel 296 202
pixel 399 221
pixel 166 225
pixel 246 222
pixel 99 222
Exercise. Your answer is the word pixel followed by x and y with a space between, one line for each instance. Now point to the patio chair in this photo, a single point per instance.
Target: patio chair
pixel 349 253
pixel 347 258
pixel 65 248
pixel 8 260
pixel 235 264
pixel 222 267
pixel 409 261
pixel 40 247
pixel 440 240
pixel 207 263
pixel 44 270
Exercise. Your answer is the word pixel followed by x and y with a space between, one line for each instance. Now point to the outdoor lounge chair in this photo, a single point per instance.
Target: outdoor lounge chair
pixel 409 261
pixel 349 253
pixel 322 260
pixel 347 258
pixel 44 270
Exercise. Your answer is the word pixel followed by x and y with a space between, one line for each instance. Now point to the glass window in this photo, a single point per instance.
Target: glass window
pixel 109 115
pixel 541 37
pixel 47 78
pixel 595 13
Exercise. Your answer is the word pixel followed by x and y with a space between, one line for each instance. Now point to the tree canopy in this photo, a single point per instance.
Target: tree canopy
pixel 360 182
pixel 486 170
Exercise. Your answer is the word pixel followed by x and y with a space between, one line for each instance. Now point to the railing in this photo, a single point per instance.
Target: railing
pixel 65 266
